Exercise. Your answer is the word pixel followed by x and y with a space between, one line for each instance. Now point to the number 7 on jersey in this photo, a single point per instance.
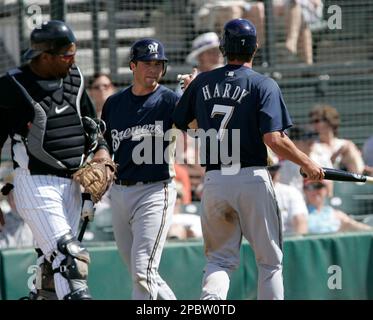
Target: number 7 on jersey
pixel 227 112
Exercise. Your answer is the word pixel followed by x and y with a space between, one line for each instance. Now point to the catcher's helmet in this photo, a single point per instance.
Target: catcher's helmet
pixel 49 36
pixel 239 36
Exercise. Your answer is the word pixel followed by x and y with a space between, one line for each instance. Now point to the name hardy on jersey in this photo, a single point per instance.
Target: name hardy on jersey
pixel 235 93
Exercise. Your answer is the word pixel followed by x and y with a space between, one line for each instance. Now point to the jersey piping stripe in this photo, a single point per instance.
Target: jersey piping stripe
pixel 80 93
pixel 160 232
pixel 278 213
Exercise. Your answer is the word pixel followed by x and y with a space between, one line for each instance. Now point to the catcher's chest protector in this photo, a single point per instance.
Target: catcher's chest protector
pixel 56 136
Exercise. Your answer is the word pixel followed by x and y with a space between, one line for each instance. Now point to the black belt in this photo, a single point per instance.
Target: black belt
pixel 133 183
pixel 219 166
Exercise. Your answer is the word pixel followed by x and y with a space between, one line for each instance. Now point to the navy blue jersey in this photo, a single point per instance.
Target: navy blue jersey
pixel 235 97
pixel 130 119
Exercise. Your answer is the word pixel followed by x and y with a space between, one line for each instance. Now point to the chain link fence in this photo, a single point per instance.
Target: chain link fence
pixel 336 68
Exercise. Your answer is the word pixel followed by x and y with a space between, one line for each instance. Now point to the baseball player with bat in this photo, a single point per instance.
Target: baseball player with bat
pixel 241 202
pixel 49 118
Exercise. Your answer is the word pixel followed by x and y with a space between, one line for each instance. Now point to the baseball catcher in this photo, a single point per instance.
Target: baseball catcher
pixel 52 123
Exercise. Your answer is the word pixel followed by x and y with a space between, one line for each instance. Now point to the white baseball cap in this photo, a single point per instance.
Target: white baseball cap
pixel 202 43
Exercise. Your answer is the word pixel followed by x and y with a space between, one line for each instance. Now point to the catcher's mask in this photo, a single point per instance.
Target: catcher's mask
pixel 148 50
pixel 50 37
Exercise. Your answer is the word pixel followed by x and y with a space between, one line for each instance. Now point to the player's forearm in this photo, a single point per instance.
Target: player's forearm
pixel 102 153
pixel 285 148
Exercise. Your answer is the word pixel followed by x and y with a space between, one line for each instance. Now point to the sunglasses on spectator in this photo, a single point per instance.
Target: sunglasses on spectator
pixel 317 120
pixel 314 186
pixel 103 86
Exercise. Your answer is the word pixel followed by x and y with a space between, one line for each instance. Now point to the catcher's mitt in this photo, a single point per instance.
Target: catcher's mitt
pixel 94 177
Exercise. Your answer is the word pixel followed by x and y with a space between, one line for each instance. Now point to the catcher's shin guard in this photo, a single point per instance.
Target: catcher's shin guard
pixel 74 267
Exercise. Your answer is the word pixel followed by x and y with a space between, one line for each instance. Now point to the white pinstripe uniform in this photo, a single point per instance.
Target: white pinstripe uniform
pixel 50 202
pixel 49 116
pixel 51 206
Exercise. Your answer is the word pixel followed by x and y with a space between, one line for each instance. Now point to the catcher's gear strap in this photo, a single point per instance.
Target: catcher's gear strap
pixel 74 267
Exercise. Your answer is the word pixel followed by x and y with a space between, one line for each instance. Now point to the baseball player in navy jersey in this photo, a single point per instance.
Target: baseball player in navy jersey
pixel 144 194
pixel 242 202
pixel 48 116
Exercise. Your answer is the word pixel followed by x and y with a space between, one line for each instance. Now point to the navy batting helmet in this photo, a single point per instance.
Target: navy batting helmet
pixel 239 36
pixel 50 36
pixel 148 50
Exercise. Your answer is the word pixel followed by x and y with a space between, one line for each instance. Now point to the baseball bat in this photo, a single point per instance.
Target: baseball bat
pixel 341 175
pixel 85 197
pixel 82 229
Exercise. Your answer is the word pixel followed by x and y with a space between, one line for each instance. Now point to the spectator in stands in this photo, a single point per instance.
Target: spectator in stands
pixel 323 218
pixel 291 205
pixel 211 15
pixel 187 167
pixel 368 155
pixel 304 138
pixel 184 225
pixel 100 88
pixel 205 54
pixel 344 154
pixel 182 177
pixel 301 17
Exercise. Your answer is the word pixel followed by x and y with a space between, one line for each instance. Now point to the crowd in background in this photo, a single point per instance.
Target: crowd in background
pixel 305 205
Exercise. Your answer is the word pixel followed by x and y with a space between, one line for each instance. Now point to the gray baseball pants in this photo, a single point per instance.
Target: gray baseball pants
pixel 234 206
pixel 141 218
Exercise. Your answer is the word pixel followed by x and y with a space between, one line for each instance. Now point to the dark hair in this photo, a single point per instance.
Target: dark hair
pixel 301 133
pixel 328 114
pixel 247 57
pixel 99 75
pixel 314 185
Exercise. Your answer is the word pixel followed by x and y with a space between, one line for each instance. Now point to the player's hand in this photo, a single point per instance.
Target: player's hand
pixel 186 79
pixel 88 210
pixel 313 171
pixel 110 176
